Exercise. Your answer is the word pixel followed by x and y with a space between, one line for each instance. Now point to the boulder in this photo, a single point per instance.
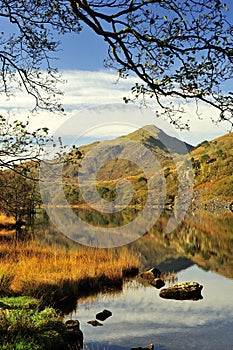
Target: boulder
pixel 183 291
pixel 75 335
pixel 103 315
pixel 157 283
pixel 151 274
pixel 72 324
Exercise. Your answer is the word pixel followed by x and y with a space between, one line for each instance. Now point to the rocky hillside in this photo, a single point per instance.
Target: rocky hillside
pixel 213 164
pixel 127 157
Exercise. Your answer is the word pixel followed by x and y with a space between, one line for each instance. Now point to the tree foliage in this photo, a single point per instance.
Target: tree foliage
pixel 181 50
pixel 19 145
pixel 20 151
pixel 19 195
pixel 27 45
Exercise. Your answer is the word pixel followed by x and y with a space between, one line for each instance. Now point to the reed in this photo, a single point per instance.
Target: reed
pixel 34 263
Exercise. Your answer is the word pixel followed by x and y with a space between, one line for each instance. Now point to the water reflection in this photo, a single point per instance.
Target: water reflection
pixel 140 317
pixel 106 230
pixel 204 238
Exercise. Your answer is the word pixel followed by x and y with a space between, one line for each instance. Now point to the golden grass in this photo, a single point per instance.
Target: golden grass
pixel 7 233
pixel 6 220
pixel 35 262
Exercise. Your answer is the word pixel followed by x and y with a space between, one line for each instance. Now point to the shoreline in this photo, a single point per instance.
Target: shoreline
pixel 52 332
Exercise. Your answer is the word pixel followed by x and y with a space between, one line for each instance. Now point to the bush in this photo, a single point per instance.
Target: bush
pixel 204 144
pixel 103 191
pixel 23 328
pixel 142 178
pixel 205 158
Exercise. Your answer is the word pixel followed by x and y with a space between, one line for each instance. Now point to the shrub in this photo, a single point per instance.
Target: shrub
pixel 205 158
pixel 142 178
pixel 31 329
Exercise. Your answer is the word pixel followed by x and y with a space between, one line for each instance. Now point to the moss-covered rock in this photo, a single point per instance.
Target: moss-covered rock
pixel 183 291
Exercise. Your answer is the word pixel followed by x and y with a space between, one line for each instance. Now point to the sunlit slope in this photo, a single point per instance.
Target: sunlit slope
pixel 213 167
pixel 127 157
pixel 138 156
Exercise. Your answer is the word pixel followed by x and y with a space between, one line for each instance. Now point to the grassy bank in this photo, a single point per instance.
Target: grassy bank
pixel 50 276
pixel 25 326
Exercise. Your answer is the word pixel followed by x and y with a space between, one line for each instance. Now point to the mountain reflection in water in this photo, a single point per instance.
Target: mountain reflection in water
pixel 205 238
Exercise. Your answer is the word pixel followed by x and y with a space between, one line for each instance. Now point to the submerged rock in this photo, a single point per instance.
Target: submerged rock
pixel 183 291
pixel 75 335
pixel 103 315
pixel 95 323
pixel 157 283
pixel 151 274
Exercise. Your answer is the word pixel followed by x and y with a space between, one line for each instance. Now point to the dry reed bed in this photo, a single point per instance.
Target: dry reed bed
pixel 35 262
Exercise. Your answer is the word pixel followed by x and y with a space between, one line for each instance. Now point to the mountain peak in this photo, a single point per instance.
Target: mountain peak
pixel 151 136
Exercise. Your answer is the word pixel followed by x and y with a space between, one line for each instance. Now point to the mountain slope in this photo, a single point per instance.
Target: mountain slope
pixel 133 156
pixel 153 137
pixel 138 156
pixel 213 164
pixel 132 147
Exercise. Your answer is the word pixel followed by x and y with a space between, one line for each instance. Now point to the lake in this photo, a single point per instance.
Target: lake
pixel 199 250
pixel 140 316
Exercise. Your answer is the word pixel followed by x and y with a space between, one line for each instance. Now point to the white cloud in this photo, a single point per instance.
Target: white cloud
pixel 98 95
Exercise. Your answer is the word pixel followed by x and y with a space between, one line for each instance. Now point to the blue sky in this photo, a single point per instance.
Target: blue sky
pixel 91 87
pixel 86 51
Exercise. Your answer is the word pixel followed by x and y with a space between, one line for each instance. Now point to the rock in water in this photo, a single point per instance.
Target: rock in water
pixel 102 316
pixel 183 291
pixel 151 274
pixel 149 347
pixel 75 335
pixel 72 324
pixel 157 283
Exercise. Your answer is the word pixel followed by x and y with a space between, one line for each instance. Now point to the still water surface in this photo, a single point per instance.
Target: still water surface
pixel 140 316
